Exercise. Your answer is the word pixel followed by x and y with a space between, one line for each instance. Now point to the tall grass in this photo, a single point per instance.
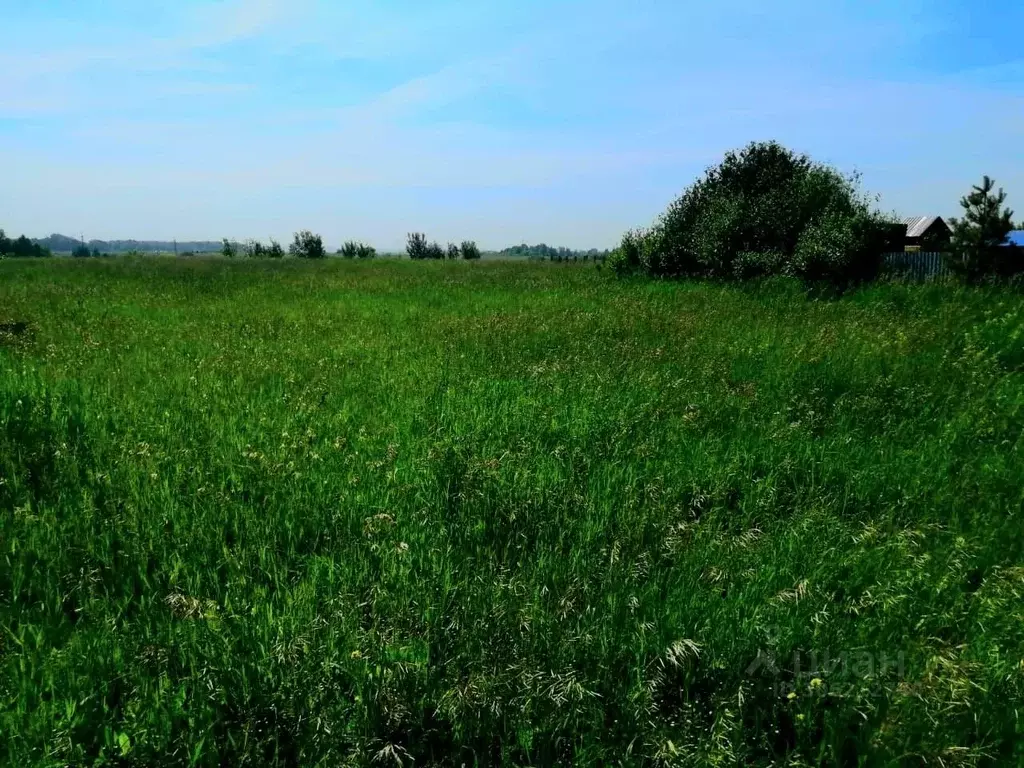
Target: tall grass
pixel 440 514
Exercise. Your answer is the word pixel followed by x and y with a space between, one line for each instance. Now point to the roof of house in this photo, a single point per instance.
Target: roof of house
pixel 918 225
pixel 1016 238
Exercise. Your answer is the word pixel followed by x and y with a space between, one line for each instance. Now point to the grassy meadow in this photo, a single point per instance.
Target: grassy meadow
pixel 393 513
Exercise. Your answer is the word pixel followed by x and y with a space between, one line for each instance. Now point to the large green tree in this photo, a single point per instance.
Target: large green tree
pixel 470 250
pixel 416 245
pixel 764 209
pixel 306 245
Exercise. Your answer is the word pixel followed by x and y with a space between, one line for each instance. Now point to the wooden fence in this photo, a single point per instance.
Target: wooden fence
pixel 916 264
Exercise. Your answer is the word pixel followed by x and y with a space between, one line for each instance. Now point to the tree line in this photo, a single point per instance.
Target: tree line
pixel 417 247
pixel 764 210
pixel 21 248
pixel 307 245
pixel 544 252
pixel 64 244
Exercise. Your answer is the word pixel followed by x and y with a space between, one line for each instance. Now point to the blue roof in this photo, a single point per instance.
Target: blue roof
pixel 1016 238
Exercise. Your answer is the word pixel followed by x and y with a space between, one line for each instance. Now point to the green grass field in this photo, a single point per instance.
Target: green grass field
pixel 402 513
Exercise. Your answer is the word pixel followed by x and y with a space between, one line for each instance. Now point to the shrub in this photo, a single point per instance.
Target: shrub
pixel 418 248
pixel 625 259
pixel 452 251
pixel 839 248
pixel 308 246
pixel 81 252
pixel 749 216
pixel 356 250
pixel 274 250
pixel 755 264
pixel 229 249
pixel 469 250
pixel 254 249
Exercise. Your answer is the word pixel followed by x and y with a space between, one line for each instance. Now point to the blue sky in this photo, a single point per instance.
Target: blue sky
pixel 538 120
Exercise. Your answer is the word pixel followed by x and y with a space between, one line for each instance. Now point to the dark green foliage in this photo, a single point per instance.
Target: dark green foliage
pixel 254 249
pixel 749 265
pixel 81 251
pixel 804 219
pixel 356 250
pixel 977 249
pixel 418 248
pixel 469 250
pixel 625 260
pixel 640 251
pixel 306 245
pixel 228 249
pixel 452 251
pixel 416 245
pixel 21 248
pixel 545 252
pixel 838 248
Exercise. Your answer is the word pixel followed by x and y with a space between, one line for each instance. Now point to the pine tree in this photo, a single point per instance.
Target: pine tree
pixel 977 237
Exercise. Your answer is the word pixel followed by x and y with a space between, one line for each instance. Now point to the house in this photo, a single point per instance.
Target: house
pixel 926 233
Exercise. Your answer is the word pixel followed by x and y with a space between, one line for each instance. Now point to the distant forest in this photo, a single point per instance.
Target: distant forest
pixel 550 253
pixel 64 244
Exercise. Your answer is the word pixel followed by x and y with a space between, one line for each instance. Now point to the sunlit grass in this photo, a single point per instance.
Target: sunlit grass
pixel 355 513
